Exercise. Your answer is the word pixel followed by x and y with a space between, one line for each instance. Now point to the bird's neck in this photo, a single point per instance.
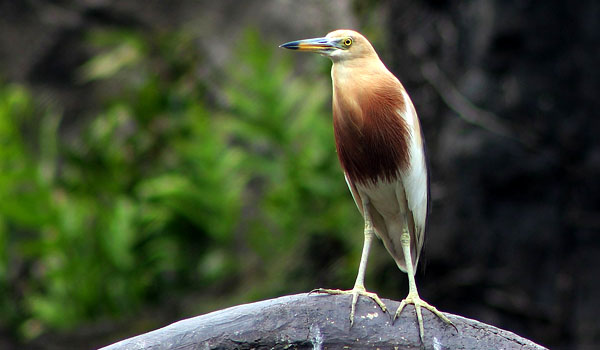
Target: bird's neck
pixel 362 88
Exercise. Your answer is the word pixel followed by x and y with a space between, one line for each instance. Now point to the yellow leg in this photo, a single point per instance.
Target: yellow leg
pixel 359 285
pixel 413 294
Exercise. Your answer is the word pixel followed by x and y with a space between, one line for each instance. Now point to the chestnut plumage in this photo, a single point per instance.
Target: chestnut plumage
pixel 371 138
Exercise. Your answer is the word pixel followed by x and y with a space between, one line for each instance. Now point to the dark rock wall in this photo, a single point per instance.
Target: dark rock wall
pixel 513 235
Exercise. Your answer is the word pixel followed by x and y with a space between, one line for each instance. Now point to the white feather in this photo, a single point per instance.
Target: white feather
pixel 414 179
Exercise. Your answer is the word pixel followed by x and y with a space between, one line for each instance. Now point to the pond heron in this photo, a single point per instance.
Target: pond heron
pixel 380 147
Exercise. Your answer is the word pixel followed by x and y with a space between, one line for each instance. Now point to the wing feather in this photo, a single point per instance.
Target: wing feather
pixel 415 184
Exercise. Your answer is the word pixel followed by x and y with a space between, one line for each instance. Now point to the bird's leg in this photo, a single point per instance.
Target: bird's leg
pixel 413 294
pixel 359 285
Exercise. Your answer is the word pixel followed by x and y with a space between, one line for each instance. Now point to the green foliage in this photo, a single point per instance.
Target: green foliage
pixel 284 124
pixel 164 189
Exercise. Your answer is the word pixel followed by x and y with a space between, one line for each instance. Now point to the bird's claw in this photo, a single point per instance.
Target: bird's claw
pixel 355 292
pixel 418 303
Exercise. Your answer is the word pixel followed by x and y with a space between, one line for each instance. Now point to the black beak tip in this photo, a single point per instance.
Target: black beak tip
pixel 291 45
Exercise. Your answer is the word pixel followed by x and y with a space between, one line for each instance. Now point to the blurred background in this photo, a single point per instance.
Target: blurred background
pixel 163 159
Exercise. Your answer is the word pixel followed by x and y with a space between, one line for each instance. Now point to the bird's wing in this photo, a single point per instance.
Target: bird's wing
pixel 415 185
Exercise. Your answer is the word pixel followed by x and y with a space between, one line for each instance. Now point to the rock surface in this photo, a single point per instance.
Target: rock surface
pixel 321 322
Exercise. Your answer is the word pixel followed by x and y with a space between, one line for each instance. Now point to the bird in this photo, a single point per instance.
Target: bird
pixel 381 150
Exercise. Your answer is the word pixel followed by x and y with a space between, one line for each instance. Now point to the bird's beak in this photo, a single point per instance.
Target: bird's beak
pixel 320 45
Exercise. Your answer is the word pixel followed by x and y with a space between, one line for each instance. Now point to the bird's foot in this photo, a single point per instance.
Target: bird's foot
pixel 355 292
pixel 413 298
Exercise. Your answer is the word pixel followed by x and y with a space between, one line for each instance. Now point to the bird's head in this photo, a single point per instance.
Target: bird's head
pixel 339 45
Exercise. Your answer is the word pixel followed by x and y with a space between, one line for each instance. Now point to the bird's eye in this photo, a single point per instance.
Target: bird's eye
pixel 347 42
